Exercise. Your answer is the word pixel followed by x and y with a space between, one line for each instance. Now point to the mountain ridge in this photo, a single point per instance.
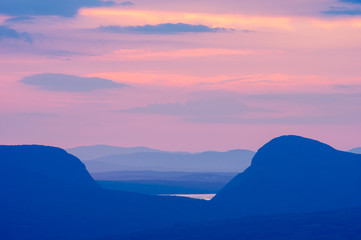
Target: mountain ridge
pixel 291 174
pixel 46 190
pixel 101 150
pixel 356 150
pixel 60 200
pixel 210 161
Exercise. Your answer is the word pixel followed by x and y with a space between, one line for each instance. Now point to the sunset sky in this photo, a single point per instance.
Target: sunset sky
pixel 180 75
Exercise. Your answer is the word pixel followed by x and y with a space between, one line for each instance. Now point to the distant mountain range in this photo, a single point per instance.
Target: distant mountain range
pixel 165 176
pixel 86 153
pixel 48 194
pixel 152 182
pixel 141 158
pixel 356 150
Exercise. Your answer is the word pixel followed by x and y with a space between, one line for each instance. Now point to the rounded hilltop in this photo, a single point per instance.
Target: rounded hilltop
pixel 294 174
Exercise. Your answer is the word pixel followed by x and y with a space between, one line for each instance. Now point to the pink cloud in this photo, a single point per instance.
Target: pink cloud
pixel 148 54
pixel 299 63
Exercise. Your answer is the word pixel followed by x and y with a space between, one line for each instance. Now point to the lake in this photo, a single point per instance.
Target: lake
pixel 196 196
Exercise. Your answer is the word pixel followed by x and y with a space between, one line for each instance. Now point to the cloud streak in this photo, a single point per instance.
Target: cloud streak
pixel 146 54
pixel 22 19
pixel 343 11
pixel 69 83
pixel 352 8
pixel 64 8
pixel 165 28
pixel 352 1
pixel 233 108
pixel 201 110
pixel 127 3
pixel 133 17
pixel 9 33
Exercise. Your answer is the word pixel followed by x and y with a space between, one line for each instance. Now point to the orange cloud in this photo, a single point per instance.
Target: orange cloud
pixel 357 22
pixel 336 23
pixel 139 17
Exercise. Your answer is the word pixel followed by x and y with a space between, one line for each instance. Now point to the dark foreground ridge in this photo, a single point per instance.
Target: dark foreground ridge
pixel 340 224
pixel 295 174
pixel 47 193
pixel 22 165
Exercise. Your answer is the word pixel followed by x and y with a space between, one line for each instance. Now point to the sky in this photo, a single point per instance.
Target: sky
pixel 180 75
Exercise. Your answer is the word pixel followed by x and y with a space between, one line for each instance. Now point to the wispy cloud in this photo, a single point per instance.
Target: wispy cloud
pixel 145 54
pixel 165 28
pixel 69 83
pixel 22 19
pixel 351 1
pixel 349 7
pixel 9 33
pixel 356 87
pixel 210 110
pixel 135 17
pixel 342 11
pixel 127 3
pixel 222 107
pixel 64 8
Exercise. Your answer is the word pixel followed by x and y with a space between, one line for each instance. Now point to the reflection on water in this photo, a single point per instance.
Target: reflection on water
pixel 196 196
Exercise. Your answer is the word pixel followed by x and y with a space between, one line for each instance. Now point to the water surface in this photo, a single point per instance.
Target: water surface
pixel 196 196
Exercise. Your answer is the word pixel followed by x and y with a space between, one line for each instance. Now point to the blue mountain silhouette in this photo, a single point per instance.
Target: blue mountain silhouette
pixel 356 150
pixel 295 174
pixel 230 161
pixel 47 193
pixel 338 224
pixel 46 163
pixel 85 153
